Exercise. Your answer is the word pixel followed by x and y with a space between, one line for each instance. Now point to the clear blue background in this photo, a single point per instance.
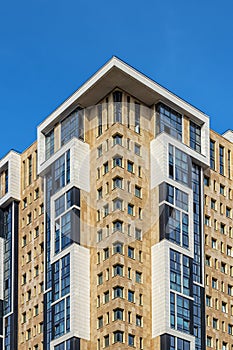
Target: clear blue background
pixel 49 48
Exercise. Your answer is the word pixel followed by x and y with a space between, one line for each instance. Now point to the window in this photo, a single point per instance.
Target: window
pixel 117 139
pixel 180 313
pixel 138 277
pixel 229 164
pixel 228 212
pixel 59 205
pixel 117 161
pixel 61 317
pixel 224 346
pixel 195 136
pixel 139 171
pixel 128 111
pixel 137 118
pixel 139 320
pixel 222 228
pixel 99 235
pixel 212 154
pixel 209 341
pixel 36 310
pixel 214 243
pixel 100 278
pixel 207 260
pixel 138 191
pixel 117 225
pixel 105 168
pixel 118 314
pixel 28 334
pixel 99 151
pixel 131 296
pixel 230 329
pixel 207 220
pixel 179 166
pixel 49 144
pixel 221 160
pixel 137 149
pixel 131 339
pixel 72 126
pixel 118 292
pixel 175 270
pixel 24 278
pixel 223 267
pixel 36 271
pixel 106 253
pixel 215 323
pixel 117 248
pixel 29 295
pixel 29 256
pixel 24 241
pixel 36 193
pixel 29 218
pixel 117 182
pixel 206 181
pixel 213 204
pixel 106 210
pixel 222 190
pixel 117 270
pixel 106 341
pixel 214 283
pixel 181 199
pixel 138 234
pixel 118 336
pixel 224 307
pixel 36 232
pixel 117 204
pixel 117 99
pixel 100 121
pixel 131 252
pixel 100 322
pixel 100 193
pixel 130 166
pixel 106 297
pixel 25 203
pixel 208 300
pixel 168 121
pixel 174 225
pixel 130 209
pixel 140 213
pixel 24 317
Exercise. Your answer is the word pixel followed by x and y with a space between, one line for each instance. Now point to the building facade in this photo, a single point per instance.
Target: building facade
pixel 218 243
pixel 106 228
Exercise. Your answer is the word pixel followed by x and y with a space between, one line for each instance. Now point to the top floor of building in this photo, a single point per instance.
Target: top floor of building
pixel 117 94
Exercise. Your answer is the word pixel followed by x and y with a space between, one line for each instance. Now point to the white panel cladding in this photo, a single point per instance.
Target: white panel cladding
pixel 80 165
pixel 40 149
pixel 228 135
pixel 205 142
pixel 1 267
pixel 160 288
pixel 80 292
pixel 159 157
pixel 13 160
pixel 159 161
pixel 160 254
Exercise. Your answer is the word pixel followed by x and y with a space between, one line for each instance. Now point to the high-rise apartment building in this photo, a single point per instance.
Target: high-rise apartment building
pixel 116 222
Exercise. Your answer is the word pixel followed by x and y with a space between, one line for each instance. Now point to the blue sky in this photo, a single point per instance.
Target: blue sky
pixel 49 48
